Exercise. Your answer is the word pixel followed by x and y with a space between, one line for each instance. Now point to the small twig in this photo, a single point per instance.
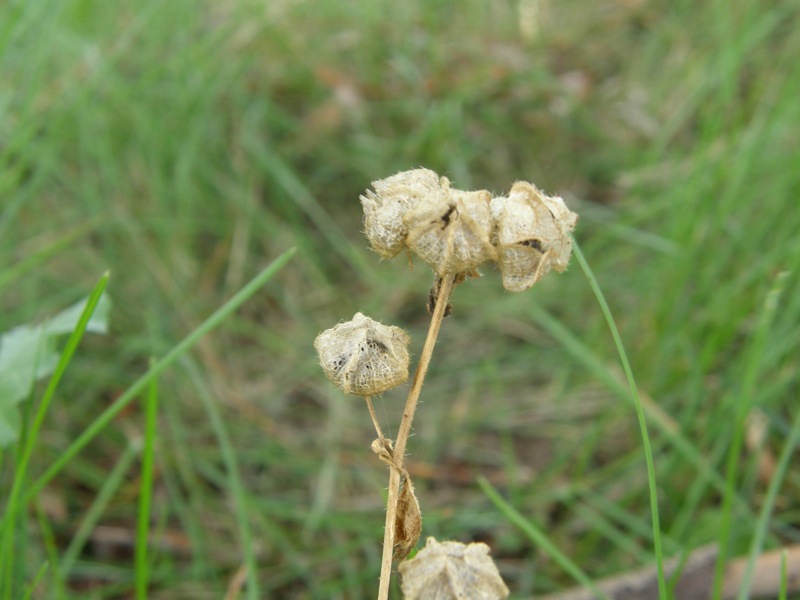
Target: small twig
pixel 405 430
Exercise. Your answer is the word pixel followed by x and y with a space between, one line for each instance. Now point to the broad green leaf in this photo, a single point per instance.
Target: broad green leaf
pixel 28 353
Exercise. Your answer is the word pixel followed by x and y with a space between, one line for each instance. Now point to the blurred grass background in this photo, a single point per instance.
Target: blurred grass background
pixel 183 146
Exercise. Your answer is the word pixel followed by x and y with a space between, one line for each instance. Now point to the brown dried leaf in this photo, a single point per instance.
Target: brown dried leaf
pixel 433 295
pixel 408 524
pixel 452 571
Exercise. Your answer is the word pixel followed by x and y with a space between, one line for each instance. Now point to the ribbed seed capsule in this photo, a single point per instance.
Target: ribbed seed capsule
pixel 452 232
pixel 531 236
pixel 394 197
pixel 452 571
pixel 364 357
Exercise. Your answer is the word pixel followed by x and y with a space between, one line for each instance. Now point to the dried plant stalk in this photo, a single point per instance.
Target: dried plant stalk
pixel 526 233
pixel 405 430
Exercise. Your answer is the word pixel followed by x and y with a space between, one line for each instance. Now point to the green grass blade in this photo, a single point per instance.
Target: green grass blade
pixel 769 504
pixel 784 577
pixel 658 418
pixel 234 479
pixel 140 384
pixel 762 524
pixel 648 453
pixel 115 478
pixel 742 409
pixel 51 549
pixel 539 539
pixel 61 244
pixel 36 579
pixel 293 185
pixel 146 489
pixel 9 520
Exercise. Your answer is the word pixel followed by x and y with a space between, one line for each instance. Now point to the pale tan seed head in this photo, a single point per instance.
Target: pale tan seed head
pixel 394 197
pixel 531 235
pixel 452 571
pixel 364 357
pixel 452 232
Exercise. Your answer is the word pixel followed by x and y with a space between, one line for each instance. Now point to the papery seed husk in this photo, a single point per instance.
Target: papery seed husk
pixel 531 236
pixel 452 233
pixel 364 357
pixel 450 571
pixel 393 197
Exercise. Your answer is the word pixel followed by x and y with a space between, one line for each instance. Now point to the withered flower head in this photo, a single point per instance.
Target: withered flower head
pixel 364 357
pixel 451 570
pixel 394 197
pixel 452 231
pixel 532 235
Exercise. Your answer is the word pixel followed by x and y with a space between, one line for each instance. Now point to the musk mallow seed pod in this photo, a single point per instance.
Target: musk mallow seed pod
pixel 531 235
pixel 394 197
pixel 452 571
pixel 364 357
pixel 452 232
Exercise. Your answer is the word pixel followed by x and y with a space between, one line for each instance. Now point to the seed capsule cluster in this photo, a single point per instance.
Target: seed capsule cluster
pixel 364 357
pixel 526 233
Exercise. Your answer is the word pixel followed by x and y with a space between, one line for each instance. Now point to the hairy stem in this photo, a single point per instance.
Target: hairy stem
pixel 374 417
pixel 405 430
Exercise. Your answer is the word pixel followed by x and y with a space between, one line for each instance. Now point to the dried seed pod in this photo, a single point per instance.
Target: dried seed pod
pixel 532 235
pixel 394 197
pixel 408 524
pixel 364 357
pixel 450 571
pixel 452 232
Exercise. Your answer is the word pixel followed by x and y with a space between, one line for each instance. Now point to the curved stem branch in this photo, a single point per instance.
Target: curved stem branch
pixel 405 430
pixel 374 417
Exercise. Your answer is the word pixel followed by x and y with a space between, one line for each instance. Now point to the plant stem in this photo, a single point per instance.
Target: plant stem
pixel 374 417
pixel 405 430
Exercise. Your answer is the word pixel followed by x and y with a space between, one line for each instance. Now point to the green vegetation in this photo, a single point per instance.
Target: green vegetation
pixel 184 147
